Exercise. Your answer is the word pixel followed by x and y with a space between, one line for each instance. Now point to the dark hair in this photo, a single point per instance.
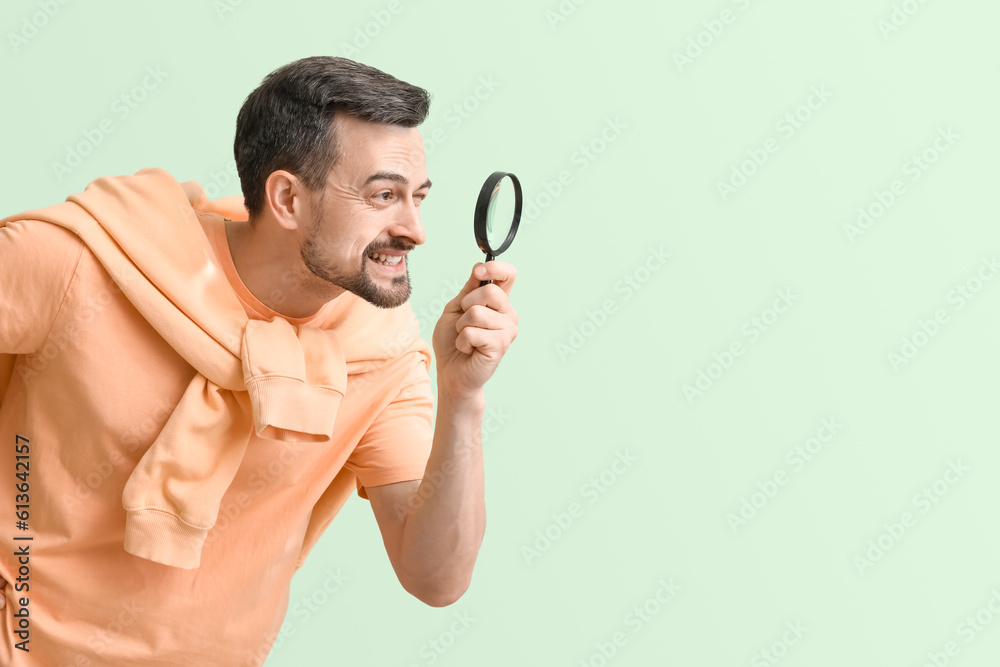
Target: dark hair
pixel 287 122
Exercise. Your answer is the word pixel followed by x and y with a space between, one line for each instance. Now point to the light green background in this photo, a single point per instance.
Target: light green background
pixel 561 418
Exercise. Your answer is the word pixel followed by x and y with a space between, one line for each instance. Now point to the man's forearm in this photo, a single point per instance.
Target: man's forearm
pixel 447 518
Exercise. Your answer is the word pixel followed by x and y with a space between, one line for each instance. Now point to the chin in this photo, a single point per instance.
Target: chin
pixel 374 293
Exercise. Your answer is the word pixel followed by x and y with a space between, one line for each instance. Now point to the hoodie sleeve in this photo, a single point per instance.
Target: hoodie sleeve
pixel 37 264
pixel 397 445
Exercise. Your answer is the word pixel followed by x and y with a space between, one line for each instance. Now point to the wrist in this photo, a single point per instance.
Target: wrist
pixel 464 398
pixel 472 402
pixel 459 420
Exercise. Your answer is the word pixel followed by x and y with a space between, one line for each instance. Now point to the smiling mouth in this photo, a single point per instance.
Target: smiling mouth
pixel 386 260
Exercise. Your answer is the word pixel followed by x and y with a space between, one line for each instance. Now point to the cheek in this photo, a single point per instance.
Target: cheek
pixel 357 258
pixel 359 248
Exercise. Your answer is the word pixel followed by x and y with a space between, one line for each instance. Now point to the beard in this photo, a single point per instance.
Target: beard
pixel 359 283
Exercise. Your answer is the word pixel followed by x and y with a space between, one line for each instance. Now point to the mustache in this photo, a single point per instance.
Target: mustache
pixel 394 244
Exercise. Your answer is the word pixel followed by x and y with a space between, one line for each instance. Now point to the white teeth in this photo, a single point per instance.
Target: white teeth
pixel 387 260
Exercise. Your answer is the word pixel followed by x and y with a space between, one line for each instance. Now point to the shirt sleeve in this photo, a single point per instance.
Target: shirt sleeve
pixel 397 445
pixel 37 264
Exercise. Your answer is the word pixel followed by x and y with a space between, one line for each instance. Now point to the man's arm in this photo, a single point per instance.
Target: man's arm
pixel 433 528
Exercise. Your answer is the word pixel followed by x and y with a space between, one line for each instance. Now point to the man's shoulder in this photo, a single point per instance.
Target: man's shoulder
pixel 39 246
pixel 41 235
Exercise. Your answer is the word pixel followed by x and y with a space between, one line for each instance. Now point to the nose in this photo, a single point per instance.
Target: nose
pixel 407 225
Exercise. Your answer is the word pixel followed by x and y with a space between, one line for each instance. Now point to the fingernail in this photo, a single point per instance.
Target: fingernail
pixel 480 271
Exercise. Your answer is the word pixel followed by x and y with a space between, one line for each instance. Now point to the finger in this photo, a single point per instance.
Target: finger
pixel 490 343
pixel 501 273
pixel 490 296
pixel 484 318
pixel 472 283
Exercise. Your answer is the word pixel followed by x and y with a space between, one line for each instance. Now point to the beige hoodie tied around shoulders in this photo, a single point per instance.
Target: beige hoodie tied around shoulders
pixel 282 382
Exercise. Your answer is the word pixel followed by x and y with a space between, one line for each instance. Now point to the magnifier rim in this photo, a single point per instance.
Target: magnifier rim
pixel 482 207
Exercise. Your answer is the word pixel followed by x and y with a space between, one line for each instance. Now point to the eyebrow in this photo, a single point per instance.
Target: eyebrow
pixel 396 178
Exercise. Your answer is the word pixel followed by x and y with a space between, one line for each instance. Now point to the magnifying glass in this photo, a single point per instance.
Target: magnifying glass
pixel 498 212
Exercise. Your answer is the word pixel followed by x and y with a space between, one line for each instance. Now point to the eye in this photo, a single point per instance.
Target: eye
pixel 384 196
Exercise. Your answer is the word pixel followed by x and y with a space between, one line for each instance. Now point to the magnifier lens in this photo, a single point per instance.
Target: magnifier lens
pixel 500 213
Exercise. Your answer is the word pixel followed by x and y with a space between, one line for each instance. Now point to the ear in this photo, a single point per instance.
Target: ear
pixel 287 199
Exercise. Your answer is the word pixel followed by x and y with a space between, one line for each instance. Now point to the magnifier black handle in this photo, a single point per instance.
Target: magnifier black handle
pixel 489 258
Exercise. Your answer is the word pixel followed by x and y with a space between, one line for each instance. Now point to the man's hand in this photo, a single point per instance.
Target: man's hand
pixel 475 330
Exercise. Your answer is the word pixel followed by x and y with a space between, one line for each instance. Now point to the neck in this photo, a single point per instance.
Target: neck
pixel 268 261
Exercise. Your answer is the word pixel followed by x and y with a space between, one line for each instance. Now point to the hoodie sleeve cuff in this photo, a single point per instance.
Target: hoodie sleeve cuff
pixel 164 538
pixel 296 378
pixel 287 409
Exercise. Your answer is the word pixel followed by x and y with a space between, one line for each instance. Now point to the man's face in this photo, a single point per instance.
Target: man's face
pixel 367 218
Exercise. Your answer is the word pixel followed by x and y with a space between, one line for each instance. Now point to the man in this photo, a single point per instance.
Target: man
pixel 188 400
